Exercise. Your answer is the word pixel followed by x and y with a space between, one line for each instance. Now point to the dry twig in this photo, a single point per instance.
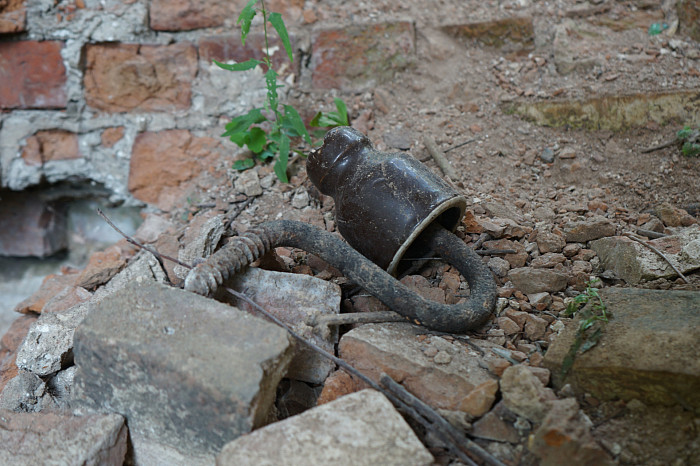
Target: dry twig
pixel 440 158
pixel 663 256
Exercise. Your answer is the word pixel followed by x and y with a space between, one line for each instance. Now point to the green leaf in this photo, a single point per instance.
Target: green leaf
pixel 242 66
pixel 278 23
pixel 240 139
pixel 242 123
pixel 256 140
pixel 244 164
pixel 342 111
pixel 283 160
pixel 268 153
pixel 246 18
pixel 292 116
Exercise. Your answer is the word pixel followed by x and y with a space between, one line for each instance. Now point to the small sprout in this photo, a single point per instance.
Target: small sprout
pixel 592 318
pixel 268 131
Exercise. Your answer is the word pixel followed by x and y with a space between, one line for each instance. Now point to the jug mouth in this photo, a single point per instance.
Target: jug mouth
pixel 448 214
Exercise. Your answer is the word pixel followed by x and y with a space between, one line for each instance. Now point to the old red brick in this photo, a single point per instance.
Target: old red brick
pixel 126 77
pixel 185 15
pixel 228 47
pixel 32 75
pixel 50 145
pixel 359 56
pixel 13 16
pixel 164 163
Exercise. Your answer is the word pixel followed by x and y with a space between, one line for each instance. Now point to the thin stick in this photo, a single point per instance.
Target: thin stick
pixel 650 233
pixel 660 146
pixel 440 158
pixel 495 252
pixel 425 410
pixel 468 141
pixel 356 318
pixel 663 256
pixel 446 438
pixel 131 240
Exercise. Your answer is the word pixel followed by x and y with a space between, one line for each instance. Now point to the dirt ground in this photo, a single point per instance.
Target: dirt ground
pixel 456 92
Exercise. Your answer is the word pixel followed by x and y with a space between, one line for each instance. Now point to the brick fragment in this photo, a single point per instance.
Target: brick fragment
pixel 51 145
pixel 13 16
pixel 185 15
pixel 32 75
pixel 164 162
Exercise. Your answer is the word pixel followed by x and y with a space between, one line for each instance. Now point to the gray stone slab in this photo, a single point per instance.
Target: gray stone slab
pixel 48 346
pixel 188 373
pixel 358 429
pixel 60 439
pixel 295 299
pixel 648 350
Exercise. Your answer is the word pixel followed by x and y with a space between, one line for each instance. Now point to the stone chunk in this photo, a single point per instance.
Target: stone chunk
pixel 588 230
pixel 530 280
pixel 125 77
pixel 662 370
pixel 636 263
pixel 51 438
pixel 524 394
pixel 48 346
pixel 461 384
pixel 361 55
pixel 359 429
pixel 188 373
pixel 25 393
pixel 32 74
pixel 564 437
pixel 295 299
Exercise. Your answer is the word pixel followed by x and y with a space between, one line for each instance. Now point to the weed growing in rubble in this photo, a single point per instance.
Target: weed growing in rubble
pixel 690 140
pixel 592 318
pixel 268 131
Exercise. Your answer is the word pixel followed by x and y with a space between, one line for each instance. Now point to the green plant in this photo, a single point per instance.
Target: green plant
pixel 690 140
pixel 268 131
pixel 591 321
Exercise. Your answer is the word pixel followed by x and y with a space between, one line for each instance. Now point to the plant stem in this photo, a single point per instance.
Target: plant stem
pixel 268 62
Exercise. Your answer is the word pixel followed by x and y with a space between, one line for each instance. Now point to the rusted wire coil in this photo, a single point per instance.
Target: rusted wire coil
pixel 206 277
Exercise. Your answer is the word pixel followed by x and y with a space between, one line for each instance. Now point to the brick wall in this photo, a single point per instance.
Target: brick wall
pixel 123 93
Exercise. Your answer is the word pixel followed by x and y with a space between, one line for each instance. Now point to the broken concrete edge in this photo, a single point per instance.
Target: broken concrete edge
pixel 612 112
pixel 62 438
